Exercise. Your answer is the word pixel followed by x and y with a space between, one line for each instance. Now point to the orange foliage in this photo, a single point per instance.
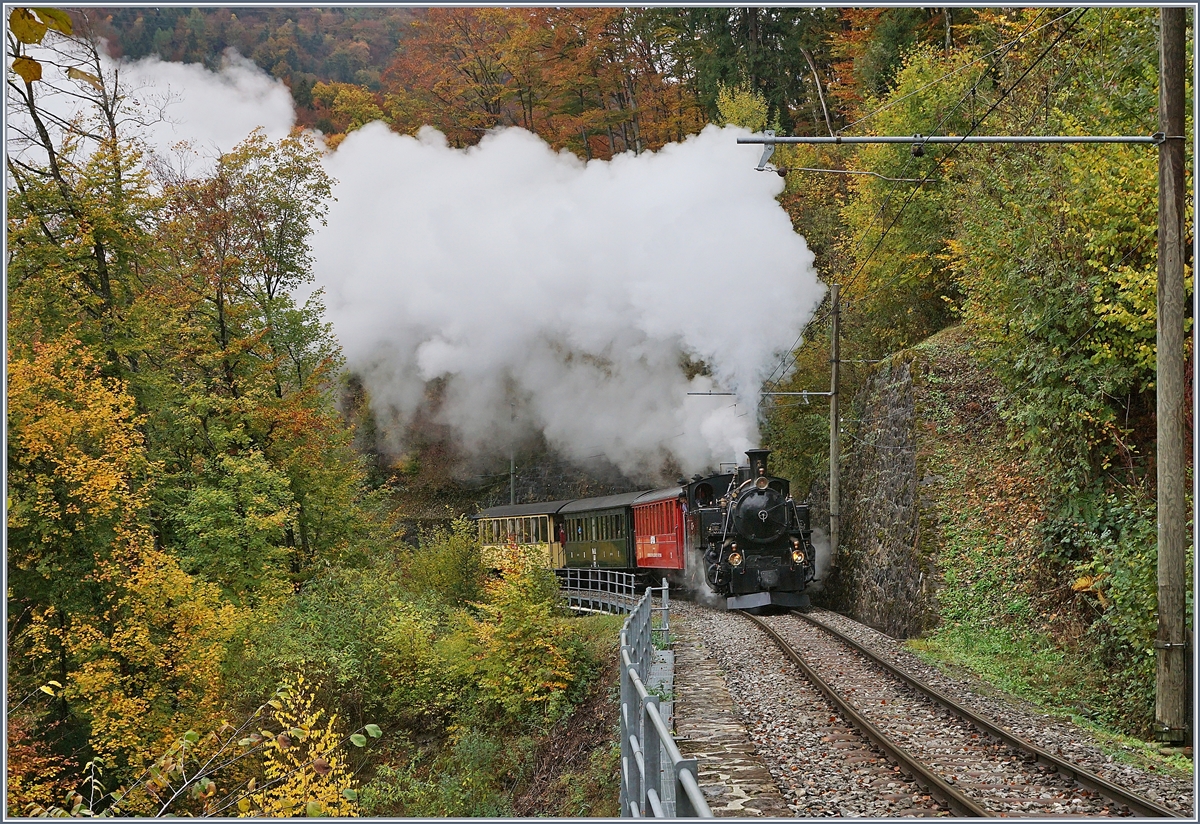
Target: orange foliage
pixel 581 78
pixel 135 641
pixel 36 775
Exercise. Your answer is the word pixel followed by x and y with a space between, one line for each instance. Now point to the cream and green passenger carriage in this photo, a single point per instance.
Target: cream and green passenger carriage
pixel 532 526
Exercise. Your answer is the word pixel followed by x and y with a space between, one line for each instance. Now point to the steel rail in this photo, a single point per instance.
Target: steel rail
pixel 959 803
pixel 1138 804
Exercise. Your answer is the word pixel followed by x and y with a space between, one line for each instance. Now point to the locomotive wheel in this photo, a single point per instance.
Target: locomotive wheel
pixel 713 574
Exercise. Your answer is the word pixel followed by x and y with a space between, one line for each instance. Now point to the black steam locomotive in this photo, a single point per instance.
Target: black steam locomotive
pixel 756 541
pixel 740 531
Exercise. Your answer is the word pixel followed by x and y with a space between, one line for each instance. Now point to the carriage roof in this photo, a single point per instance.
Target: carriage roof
pixel 607 502
pixel 520 510
pixel 656 495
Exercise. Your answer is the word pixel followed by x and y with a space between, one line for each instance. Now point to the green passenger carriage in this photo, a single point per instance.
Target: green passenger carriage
pixel 599 532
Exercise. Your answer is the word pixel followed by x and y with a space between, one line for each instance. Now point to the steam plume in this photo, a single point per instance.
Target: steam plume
pixel 531 281
pixel 573 290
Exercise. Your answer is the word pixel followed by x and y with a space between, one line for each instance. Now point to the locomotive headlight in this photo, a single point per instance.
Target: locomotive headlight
pixel 761 483
pixel 797 556
pixel 735 559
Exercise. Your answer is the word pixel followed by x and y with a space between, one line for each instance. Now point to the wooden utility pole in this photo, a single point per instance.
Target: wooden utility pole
pixel 512 460
pixel 835 455
pixel 1173 689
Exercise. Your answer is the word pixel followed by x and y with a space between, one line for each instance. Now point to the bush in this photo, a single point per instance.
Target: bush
pixel 446 568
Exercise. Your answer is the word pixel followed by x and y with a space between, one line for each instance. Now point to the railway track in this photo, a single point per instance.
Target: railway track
pixel 970 764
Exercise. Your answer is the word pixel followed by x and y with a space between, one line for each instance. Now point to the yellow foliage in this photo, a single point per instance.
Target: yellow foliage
pixel 76 454
pixel 304 767
pixel 524 654
pixel 136 641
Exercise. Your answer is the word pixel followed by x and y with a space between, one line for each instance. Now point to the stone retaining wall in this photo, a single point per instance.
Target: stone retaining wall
pixel 884 575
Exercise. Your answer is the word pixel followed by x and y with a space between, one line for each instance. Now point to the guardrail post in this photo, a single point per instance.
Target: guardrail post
pixel 683 804
pixel 626 751
pixel 652 780
pixel 666 612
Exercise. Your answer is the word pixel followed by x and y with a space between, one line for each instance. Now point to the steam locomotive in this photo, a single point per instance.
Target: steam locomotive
pixel 739 532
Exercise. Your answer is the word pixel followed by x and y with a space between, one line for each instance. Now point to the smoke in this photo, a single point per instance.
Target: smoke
pixel 550 296
pixel 562 297
pixel 167 104
pixel 213 111
pixel 695 583
pixel 824 559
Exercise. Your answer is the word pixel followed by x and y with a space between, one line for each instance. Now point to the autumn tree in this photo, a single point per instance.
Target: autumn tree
pixel 135 643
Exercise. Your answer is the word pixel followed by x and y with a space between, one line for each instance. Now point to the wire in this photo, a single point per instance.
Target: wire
pixel 941 160
pixel 964 67
pixel 1001 53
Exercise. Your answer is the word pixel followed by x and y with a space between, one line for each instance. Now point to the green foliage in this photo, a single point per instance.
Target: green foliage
pixel 233 527
pixel 446 567
pixel 597 791
pixel 529 661
pixel 761 47
pixel 154 338
pixel 469 778
pixel 897 234
pixel 741 106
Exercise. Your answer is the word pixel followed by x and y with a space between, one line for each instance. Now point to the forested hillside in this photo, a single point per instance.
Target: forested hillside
pixel 203 567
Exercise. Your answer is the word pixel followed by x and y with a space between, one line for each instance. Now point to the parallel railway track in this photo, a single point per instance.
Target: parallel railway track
pixel 971 764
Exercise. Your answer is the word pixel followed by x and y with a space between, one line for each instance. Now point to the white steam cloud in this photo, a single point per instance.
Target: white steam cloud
pixel 530 281
pixel 573 290
pixel 214 111
pixel 172 103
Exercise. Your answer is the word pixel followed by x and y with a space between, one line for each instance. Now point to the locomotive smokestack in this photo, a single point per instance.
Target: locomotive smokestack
pixel 758 461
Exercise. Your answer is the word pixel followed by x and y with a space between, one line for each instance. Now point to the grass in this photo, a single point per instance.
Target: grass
pixel 1019 663
pixel 1038 673
pixel 1008 615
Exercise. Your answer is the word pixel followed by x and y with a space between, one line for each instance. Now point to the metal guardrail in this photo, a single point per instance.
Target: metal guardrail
pixel 598 590
pixel 650 784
